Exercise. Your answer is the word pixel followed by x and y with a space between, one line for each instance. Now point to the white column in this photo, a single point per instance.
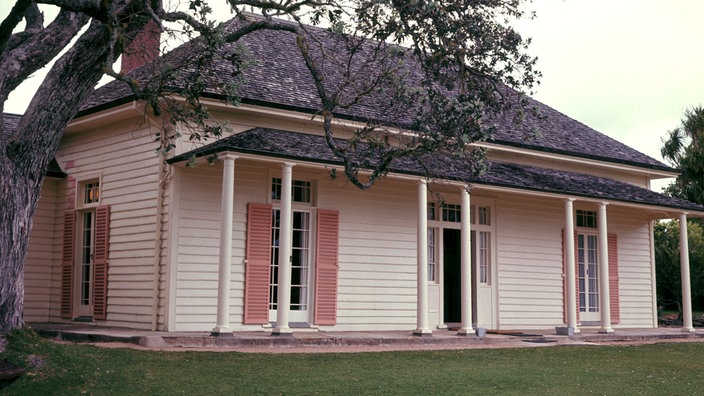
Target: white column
pixel 604 296
pixel 225 261
pixel 684 271
pixel 466 264
pixel 422 253
pixel 570 269
pixel 283 303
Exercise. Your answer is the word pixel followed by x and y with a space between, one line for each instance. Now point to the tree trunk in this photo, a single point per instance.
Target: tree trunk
pixel 18 200
pixel 28 152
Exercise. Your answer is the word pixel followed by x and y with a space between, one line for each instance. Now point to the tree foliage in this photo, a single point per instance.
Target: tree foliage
pixel 684 149
pixel 446 65
pixel 667 263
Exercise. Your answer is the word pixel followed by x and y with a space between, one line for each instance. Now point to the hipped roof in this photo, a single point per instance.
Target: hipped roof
pixel 278 78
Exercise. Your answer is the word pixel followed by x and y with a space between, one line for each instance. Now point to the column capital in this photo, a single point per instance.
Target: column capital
pixel 603 203
pixel 423 181
pixel 570 199
pixel 229 156
pixel 288 165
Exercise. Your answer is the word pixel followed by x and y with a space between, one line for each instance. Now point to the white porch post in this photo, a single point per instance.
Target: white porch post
pixel 422 253
pixel 604 296
pixel 684 270
pixel 283 303
pixel 466 264
pixel 225 261
pixel 571 282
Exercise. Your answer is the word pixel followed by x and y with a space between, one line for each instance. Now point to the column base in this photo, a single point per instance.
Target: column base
pixel 280 331
pixel 688 330
pixel 606 330
pixel 221 332
pixel 466 332
pixel 422 333
pixel 566 331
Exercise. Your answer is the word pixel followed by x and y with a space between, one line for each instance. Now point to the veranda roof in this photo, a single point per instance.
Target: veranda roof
pixel 273 143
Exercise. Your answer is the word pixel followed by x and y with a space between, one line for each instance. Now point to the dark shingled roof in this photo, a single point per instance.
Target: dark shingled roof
pixel 313 148
pixel 9 125
pixel 278 78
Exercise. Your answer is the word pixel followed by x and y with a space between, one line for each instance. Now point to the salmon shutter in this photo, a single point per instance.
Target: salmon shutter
pixel 258 264
pixel 613 279
pixel 326 267
pixel 67 263
pixel 100 262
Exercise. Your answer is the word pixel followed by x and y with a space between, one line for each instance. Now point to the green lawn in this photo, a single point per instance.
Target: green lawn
pixel 676 368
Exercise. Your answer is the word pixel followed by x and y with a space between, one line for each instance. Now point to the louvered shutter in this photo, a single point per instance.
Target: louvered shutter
pixel 326 267
pixel 100 262
pixel 67 259
pixel 613 279
pixel 258 264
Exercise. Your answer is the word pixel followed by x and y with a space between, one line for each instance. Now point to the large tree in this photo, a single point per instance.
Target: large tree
pixel 445 65
pixel 684 149
pixel 667 263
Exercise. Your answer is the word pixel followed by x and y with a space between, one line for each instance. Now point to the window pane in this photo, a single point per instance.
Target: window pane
pixel 452 213
pixel 484 215
pixel 91 192
pixel 432 254
pixel 586 219
pixel 300 190
pixel 484 257
pixel 431 211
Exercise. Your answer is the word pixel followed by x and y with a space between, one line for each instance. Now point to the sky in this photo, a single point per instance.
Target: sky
pixel 627 68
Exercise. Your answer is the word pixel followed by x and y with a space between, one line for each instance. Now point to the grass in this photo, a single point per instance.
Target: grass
pixel 676 368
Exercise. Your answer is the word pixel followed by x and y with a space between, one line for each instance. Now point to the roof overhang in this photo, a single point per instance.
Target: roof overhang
pixel 263 144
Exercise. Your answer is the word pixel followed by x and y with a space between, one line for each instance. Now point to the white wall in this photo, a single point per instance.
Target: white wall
pixel 124 157
pixel 530 263
pixel 43 250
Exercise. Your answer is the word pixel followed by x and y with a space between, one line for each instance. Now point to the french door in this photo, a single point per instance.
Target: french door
pixel 588 277
pixel 85 264
pixel 300 266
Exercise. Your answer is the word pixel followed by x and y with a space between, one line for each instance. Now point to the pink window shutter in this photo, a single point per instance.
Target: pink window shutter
pixel 613 279
pixel 67 258
pixel 258 264
pixel 100 262
pixel 326 267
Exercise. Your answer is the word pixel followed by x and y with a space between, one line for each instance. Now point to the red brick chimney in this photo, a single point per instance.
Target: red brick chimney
pixel 143 49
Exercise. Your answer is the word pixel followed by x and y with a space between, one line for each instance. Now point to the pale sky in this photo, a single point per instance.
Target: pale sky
pixel 627 68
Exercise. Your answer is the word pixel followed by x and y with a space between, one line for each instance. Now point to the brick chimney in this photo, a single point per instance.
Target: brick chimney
pixel 143 49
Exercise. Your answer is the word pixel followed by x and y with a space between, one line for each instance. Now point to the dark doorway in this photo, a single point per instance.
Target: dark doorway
pixel 452 296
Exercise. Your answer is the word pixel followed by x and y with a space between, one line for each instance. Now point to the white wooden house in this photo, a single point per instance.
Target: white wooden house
pixel 557 233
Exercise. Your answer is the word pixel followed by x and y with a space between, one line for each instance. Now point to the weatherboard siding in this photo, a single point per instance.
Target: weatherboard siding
pixel 377 264
pixel 196 254
pixel 530 261
pixel 377 273
pixel 124 157
pixel 43 250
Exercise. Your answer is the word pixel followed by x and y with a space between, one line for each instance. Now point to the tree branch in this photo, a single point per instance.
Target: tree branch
pixel 38 49
pixel 92 8
pixel 11 21
pixel 187 18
